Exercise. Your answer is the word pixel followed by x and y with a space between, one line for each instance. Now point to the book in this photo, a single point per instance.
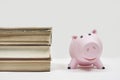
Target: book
pixel 25 52
pixel 25 65
pixel 25 58
pixel 25 31
pixel 23 43
pixel 22 38
pixel 26 35
pixel 25 49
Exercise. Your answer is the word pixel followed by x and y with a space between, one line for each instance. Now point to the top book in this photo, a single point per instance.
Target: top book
pixel 25 36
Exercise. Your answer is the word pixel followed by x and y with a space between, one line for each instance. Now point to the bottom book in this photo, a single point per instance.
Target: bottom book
pixel 25 65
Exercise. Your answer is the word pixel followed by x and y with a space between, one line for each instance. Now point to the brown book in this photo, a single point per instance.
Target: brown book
pixel 25 31
pixel 25 49
pixel 25 58
pixel 25 65
pixel 25 38
pixel 26 35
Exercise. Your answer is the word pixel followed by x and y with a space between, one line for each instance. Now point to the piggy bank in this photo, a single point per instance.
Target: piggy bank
pixel 85 50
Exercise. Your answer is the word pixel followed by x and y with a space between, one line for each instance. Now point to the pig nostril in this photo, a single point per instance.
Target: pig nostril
pixel 87 49
pixel 94 47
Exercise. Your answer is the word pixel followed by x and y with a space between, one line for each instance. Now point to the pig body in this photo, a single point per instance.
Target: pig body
pixel 86 50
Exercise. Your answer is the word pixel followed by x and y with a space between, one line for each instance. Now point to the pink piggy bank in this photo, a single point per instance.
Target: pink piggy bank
pixel 86 51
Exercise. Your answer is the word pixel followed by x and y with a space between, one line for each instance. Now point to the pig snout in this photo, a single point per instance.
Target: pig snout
pixel 91 51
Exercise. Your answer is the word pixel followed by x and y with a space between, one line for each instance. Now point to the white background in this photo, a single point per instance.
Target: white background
pixel 67 17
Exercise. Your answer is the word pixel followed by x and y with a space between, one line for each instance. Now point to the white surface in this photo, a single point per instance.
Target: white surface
pixel 67 17
pixel 59 71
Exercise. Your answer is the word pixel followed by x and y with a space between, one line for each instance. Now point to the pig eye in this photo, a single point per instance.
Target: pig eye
pixel 89 34
pixel 81 36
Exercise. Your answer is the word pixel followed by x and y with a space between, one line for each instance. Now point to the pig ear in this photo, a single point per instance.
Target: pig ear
pixel 94 31
pixel 74 37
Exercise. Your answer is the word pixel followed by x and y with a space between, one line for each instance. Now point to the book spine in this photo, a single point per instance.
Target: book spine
pixel 29 65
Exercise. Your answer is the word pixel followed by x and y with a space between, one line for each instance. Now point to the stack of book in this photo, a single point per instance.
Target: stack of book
pixel 25 49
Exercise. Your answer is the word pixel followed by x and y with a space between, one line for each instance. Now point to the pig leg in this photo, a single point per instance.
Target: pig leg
pixel 99 64
pixel 73 64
